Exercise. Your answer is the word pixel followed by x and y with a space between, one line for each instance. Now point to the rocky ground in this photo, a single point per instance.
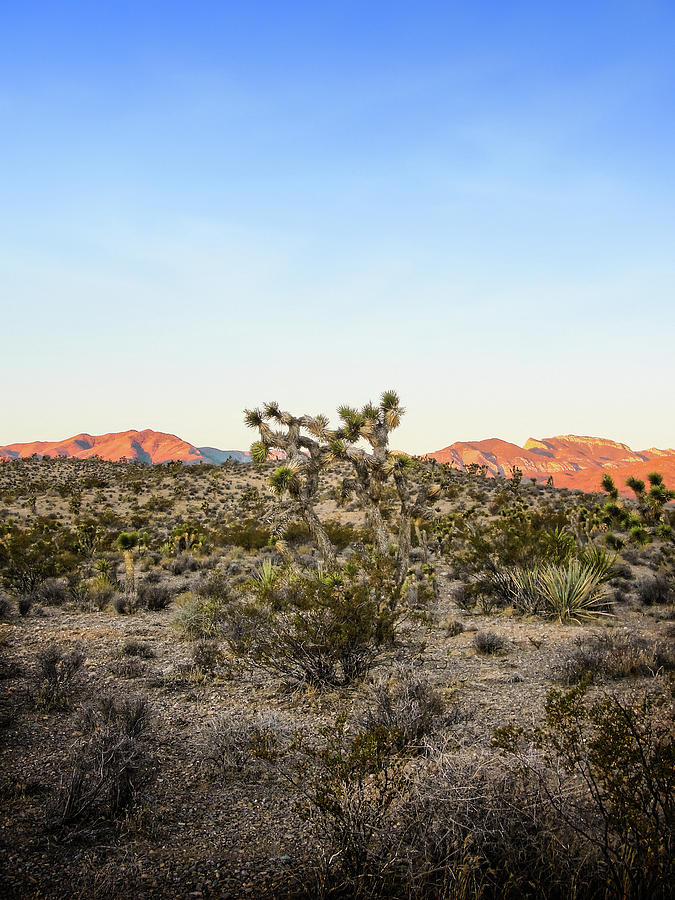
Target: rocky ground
pixel 198 830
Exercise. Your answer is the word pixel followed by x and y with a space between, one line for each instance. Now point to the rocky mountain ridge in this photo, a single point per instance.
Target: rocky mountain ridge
pixel 572 461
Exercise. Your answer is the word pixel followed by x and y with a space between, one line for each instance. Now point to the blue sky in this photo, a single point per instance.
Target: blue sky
pixel 207 205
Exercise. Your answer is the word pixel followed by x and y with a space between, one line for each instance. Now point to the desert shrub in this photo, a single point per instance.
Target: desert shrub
pixel 350 784
pixel 124 604
pixel 264 583
pixel 520 539
pixel 614 656
pixel 594 778
pixel 460 596
pixel 406 705
pixel 184 562
pixel 488 642
pixel 233 741
pixel 127 667
pixel 454 627
pixel 53 592
pixel 101 593
pixel 619 755
pixel 213 585
pixel 653 589
pixel 248 534
pixel 325 629
pixel 206 656
pixel 25 603
pixel 110 760
pixel 198 617
pixel 574 591
pixel 134 647
pixel 57 671
pixel 154 596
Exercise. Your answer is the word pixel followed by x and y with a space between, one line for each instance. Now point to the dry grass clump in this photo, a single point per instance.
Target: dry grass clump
pixel 615 656
pixel 655 589
pixel 232 741
pixel 110 761
pixel 56 677
pixel 489 642
pixel 405 704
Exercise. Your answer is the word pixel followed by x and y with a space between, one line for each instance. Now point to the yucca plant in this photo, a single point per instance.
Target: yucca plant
pixel 574 592
pixel 264 581
pixel 518 587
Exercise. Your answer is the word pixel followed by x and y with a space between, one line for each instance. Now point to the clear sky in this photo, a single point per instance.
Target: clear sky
pixel 206 205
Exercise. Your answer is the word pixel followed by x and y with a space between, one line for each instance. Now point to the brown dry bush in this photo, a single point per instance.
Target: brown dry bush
pixel 110 761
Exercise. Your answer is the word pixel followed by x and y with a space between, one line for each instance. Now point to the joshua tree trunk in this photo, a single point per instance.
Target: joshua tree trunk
pixel 404 527
pixel 380 535
pixel 373 513
pixel 318 532
pixel 129 574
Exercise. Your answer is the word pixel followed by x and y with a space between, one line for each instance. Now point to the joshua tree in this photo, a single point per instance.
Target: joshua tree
pixel 298 476
pixel 307 457
pixel 127 541
pixel 609 487
pixel 637 486
pixel 371 469
pixel 658 496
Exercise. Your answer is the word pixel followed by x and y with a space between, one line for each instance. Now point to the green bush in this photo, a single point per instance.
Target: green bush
pixel 621 751
pixel 322 629
pixel 200 617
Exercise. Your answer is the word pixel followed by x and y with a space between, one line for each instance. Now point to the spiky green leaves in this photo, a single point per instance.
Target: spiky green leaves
pixel 273 411
pixel 318 426
pixel 370 412
pixel 390 400
pixel 253 418
pixel 259 452
pixel 127 540
pixel 285 478
pixel 636 485
pixel 609 487
pixel 392 411
pixel 402 462
pixel 347 413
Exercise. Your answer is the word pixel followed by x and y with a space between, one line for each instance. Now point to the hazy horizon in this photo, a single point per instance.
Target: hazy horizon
pixel 205 208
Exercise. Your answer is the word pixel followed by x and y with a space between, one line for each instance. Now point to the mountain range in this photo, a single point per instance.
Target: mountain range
pixel 572 461
pixel 147 446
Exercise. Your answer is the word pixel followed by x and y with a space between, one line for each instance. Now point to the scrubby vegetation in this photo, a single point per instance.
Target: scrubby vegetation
pixel 345 673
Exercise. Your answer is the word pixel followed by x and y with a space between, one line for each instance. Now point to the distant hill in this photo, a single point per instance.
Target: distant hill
pixel 147 446
pixel 572 461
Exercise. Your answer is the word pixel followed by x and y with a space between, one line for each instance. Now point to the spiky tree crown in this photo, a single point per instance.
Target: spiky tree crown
pixel 637 485
pixel 127 540
pixel 609 486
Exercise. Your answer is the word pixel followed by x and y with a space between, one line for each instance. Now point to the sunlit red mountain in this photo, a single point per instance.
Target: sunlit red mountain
pixel 573 461
pixel 146 446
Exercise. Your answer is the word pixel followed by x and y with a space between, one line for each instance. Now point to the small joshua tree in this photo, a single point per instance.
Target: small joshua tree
pixel 127 541
pixel 609 487
pixel 657 497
